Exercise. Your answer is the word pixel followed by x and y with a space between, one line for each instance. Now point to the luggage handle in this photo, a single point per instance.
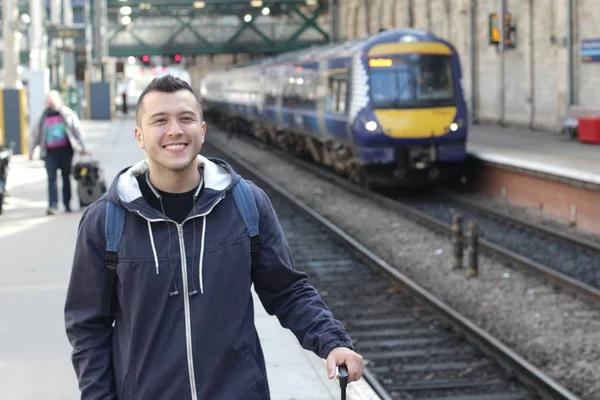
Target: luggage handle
pixel 343 377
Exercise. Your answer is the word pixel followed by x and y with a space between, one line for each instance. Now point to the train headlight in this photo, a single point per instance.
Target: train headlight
pixel 453 126
pixel 371 126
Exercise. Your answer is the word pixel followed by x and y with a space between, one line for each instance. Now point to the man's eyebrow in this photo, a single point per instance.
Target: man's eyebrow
pixel 158 114
pixel 162 113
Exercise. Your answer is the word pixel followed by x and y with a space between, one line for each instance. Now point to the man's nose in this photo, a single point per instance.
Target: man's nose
pixel 175 128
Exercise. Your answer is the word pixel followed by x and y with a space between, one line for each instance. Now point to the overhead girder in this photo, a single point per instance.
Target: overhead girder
pixel 219 27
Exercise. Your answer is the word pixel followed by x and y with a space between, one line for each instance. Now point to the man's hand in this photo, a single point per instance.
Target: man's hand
pixel 343 355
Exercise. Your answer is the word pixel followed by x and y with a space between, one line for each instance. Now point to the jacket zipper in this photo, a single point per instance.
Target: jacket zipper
pixel 186 305
pixel 186 299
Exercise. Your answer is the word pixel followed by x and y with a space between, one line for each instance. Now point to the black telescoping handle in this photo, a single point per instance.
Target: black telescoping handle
pixel 343 376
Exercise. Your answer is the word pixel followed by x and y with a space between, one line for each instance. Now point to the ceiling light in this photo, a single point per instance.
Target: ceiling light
pixel 125 10
pixel 126 20
pixel 247 17
pixel 199 4
pixel 266 11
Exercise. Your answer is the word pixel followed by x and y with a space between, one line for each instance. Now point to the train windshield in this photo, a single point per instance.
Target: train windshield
pixel 412 81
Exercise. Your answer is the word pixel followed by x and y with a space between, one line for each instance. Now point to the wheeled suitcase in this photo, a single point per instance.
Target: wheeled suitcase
pixel 90 181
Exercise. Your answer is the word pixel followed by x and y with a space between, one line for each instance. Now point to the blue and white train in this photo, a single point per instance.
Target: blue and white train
pixel 386 110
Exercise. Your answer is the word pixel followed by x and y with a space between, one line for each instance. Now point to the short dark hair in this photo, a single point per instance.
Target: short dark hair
pixel 164 84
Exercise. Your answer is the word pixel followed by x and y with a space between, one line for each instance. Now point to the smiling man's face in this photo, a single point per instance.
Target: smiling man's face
pixel 171 130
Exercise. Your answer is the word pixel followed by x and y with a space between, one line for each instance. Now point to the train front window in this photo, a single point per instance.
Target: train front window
pixel 412 81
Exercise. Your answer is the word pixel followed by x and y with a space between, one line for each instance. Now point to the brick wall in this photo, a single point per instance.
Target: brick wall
pixel 533 88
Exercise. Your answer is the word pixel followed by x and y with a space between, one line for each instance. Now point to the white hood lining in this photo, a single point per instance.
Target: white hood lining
pixel 215 177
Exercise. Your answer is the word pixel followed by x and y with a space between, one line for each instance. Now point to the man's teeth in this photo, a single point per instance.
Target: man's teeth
pixel 175 146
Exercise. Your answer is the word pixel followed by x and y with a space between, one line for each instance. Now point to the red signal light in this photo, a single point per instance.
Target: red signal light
pixel 177 57
pixel 145 58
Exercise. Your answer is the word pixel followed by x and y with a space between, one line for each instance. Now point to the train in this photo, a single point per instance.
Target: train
pixel 384 110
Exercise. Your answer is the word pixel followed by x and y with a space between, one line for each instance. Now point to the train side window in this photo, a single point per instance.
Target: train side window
pixel 341 97
pixel 331 97
pixel 270 92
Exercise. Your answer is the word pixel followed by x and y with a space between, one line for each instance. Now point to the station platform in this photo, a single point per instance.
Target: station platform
pixel 35 261
pixel 542 152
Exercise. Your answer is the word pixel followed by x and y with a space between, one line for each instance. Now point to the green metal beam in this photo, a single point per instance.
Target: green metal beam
pixel 251 25
pixel 189 3
pixel 184 25
pixel 122 28
pixel 138 51
pixel 205 46
pixel 309 22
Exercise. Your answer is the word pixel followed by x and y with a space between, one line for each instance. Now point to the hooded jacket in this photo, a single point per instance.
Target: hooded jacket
pixel 184 321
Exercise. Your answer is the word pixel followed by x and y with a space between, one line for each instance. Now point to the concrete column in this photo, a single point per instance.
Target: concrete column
pixel 38 81
pixel 55 43
pixel 11 43
pixel 68 55
pixel 37 55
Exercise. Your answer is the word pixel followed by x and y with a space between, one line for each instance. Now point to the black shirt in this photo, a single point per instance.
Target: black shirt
pixel 177 206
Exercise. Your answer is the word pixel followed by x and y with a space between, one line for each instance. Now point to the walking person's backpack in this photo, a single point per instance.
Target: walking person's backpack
pixel 115 223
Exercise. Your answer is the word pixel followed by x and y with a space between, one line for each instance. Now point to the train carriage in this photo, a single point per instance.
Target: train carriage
pixel 387 110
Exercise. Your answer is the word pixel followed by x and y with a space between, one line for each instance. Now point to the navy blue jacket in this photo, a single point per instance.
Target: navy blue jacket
pixel 185 346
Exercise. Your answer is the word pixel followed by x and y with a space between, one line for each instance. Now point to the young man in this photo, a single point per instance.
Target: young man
pixel 183 313
pixel 58 135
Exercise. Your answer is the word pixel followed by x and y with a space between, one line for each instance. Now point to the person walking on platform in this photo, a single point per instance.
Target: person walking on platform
pixel 57 132
pixel 124 99
pixel 159 303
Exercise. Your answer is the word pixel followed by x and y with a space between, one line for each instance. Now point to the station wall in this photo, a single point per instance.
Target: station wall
pixel 527 85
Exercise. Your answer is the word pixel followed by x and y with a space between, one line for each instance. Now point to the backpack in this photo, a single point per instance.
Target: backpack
pixel 115 223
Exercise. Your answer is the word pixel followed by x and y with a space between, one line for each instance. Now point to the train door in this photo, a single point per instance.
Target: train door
pixel 280 93
pixel 322 91
pixel 336 104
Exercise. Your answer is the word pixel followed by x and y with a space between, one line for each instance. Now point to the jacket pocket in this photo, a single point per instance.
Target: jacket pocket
pixel 254 374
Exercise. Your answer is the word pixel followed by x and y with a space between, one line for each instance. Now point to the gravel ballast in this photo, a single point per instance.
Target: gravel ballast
pixel 551 329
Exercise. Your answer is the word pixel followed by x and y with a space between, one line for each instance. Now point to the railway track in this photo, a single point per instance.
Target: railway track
pixel 415 346
pixel 568 261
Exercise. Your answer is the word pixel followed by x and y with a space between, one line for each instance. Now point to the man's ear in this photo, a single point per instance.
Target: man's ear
pixel 139 137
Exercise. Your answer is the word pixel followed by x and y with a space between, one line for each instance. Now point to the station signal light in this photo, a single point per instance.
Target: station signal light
pixel 509 30
pixel 177 58
pixel 146 59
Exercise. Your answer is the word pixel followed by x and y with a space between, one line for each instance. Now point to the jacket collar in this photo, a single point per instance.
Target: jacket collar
pixel 125 190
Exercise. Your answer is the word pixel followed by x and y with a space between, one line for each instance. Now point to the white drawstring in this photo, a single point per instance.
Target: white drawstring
pixel 153 247
pixel 202 252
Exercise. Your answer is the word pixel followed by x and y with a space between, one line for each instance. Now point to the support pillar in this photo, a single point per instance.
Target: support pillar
pixel 56 68
pixel 38 79
pixel 11 44
pixel 68 55
pixel 13 117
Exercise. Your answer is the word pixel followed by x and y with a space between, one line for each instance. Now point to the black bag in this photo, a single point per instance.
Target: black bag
pixel 5 153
